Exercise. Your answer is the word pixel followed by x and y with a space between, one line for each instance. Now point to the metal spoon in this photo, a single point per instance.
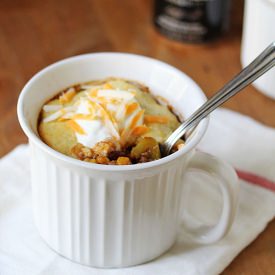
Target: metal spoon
pixel 261 64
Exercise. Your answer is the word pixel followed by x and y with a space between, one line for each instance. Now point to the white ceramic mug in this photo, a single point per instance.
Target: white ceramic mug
pixel 114 216
pixel 258 33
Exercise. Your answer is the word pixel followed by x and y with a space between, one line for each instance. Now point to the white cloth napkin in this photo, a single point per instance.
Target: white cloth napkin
pixel 238 139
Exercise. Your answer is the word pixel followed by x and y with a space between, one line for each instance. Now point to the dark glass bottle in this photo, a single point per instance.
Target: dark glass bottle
pixel 192 20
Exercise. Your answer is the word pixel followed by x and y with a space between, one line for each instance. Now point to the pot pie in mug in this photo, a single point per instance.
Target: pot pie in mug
pixel 111 121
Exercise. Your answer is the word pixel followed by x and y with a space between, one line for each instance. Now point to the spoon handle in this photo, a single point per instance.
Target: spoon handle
pixel 261 64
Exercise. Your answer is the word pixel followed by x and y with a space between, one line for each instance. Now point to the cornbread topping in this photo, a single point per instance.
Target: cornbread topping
pixel 111 121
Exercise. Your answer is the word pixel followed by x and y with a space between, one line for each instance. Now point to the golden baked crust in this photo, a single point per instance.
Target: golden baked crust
pixel 60 134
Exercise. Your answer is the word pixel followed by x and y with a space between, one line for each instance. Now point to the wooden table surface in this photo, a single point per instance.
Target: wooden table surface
pixel 33 34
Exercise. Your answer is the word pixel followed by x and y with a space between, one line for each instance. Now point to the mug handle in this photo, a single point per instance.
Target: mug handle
pixel 228 184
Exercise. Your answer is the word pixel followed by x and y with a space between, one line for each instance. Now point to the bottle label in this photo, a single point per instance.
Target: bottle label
pixel 187 3
pixel 189 20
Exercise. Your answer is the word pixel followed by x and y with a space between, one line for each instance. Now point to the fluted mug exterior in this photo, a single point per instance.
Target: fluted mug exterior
pixel 109 216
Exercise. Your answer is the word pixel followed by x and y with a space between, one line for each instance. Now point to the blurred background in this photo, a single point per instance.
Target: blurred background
pixel 34 34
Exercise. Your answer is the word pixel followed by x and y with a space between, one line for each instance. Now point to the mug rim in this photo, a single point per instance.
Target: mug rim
pixel 194 140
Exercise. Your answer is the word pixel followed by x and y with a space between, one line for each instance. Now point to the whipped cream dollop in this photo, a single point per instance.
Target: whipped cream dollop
pixel 100 114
